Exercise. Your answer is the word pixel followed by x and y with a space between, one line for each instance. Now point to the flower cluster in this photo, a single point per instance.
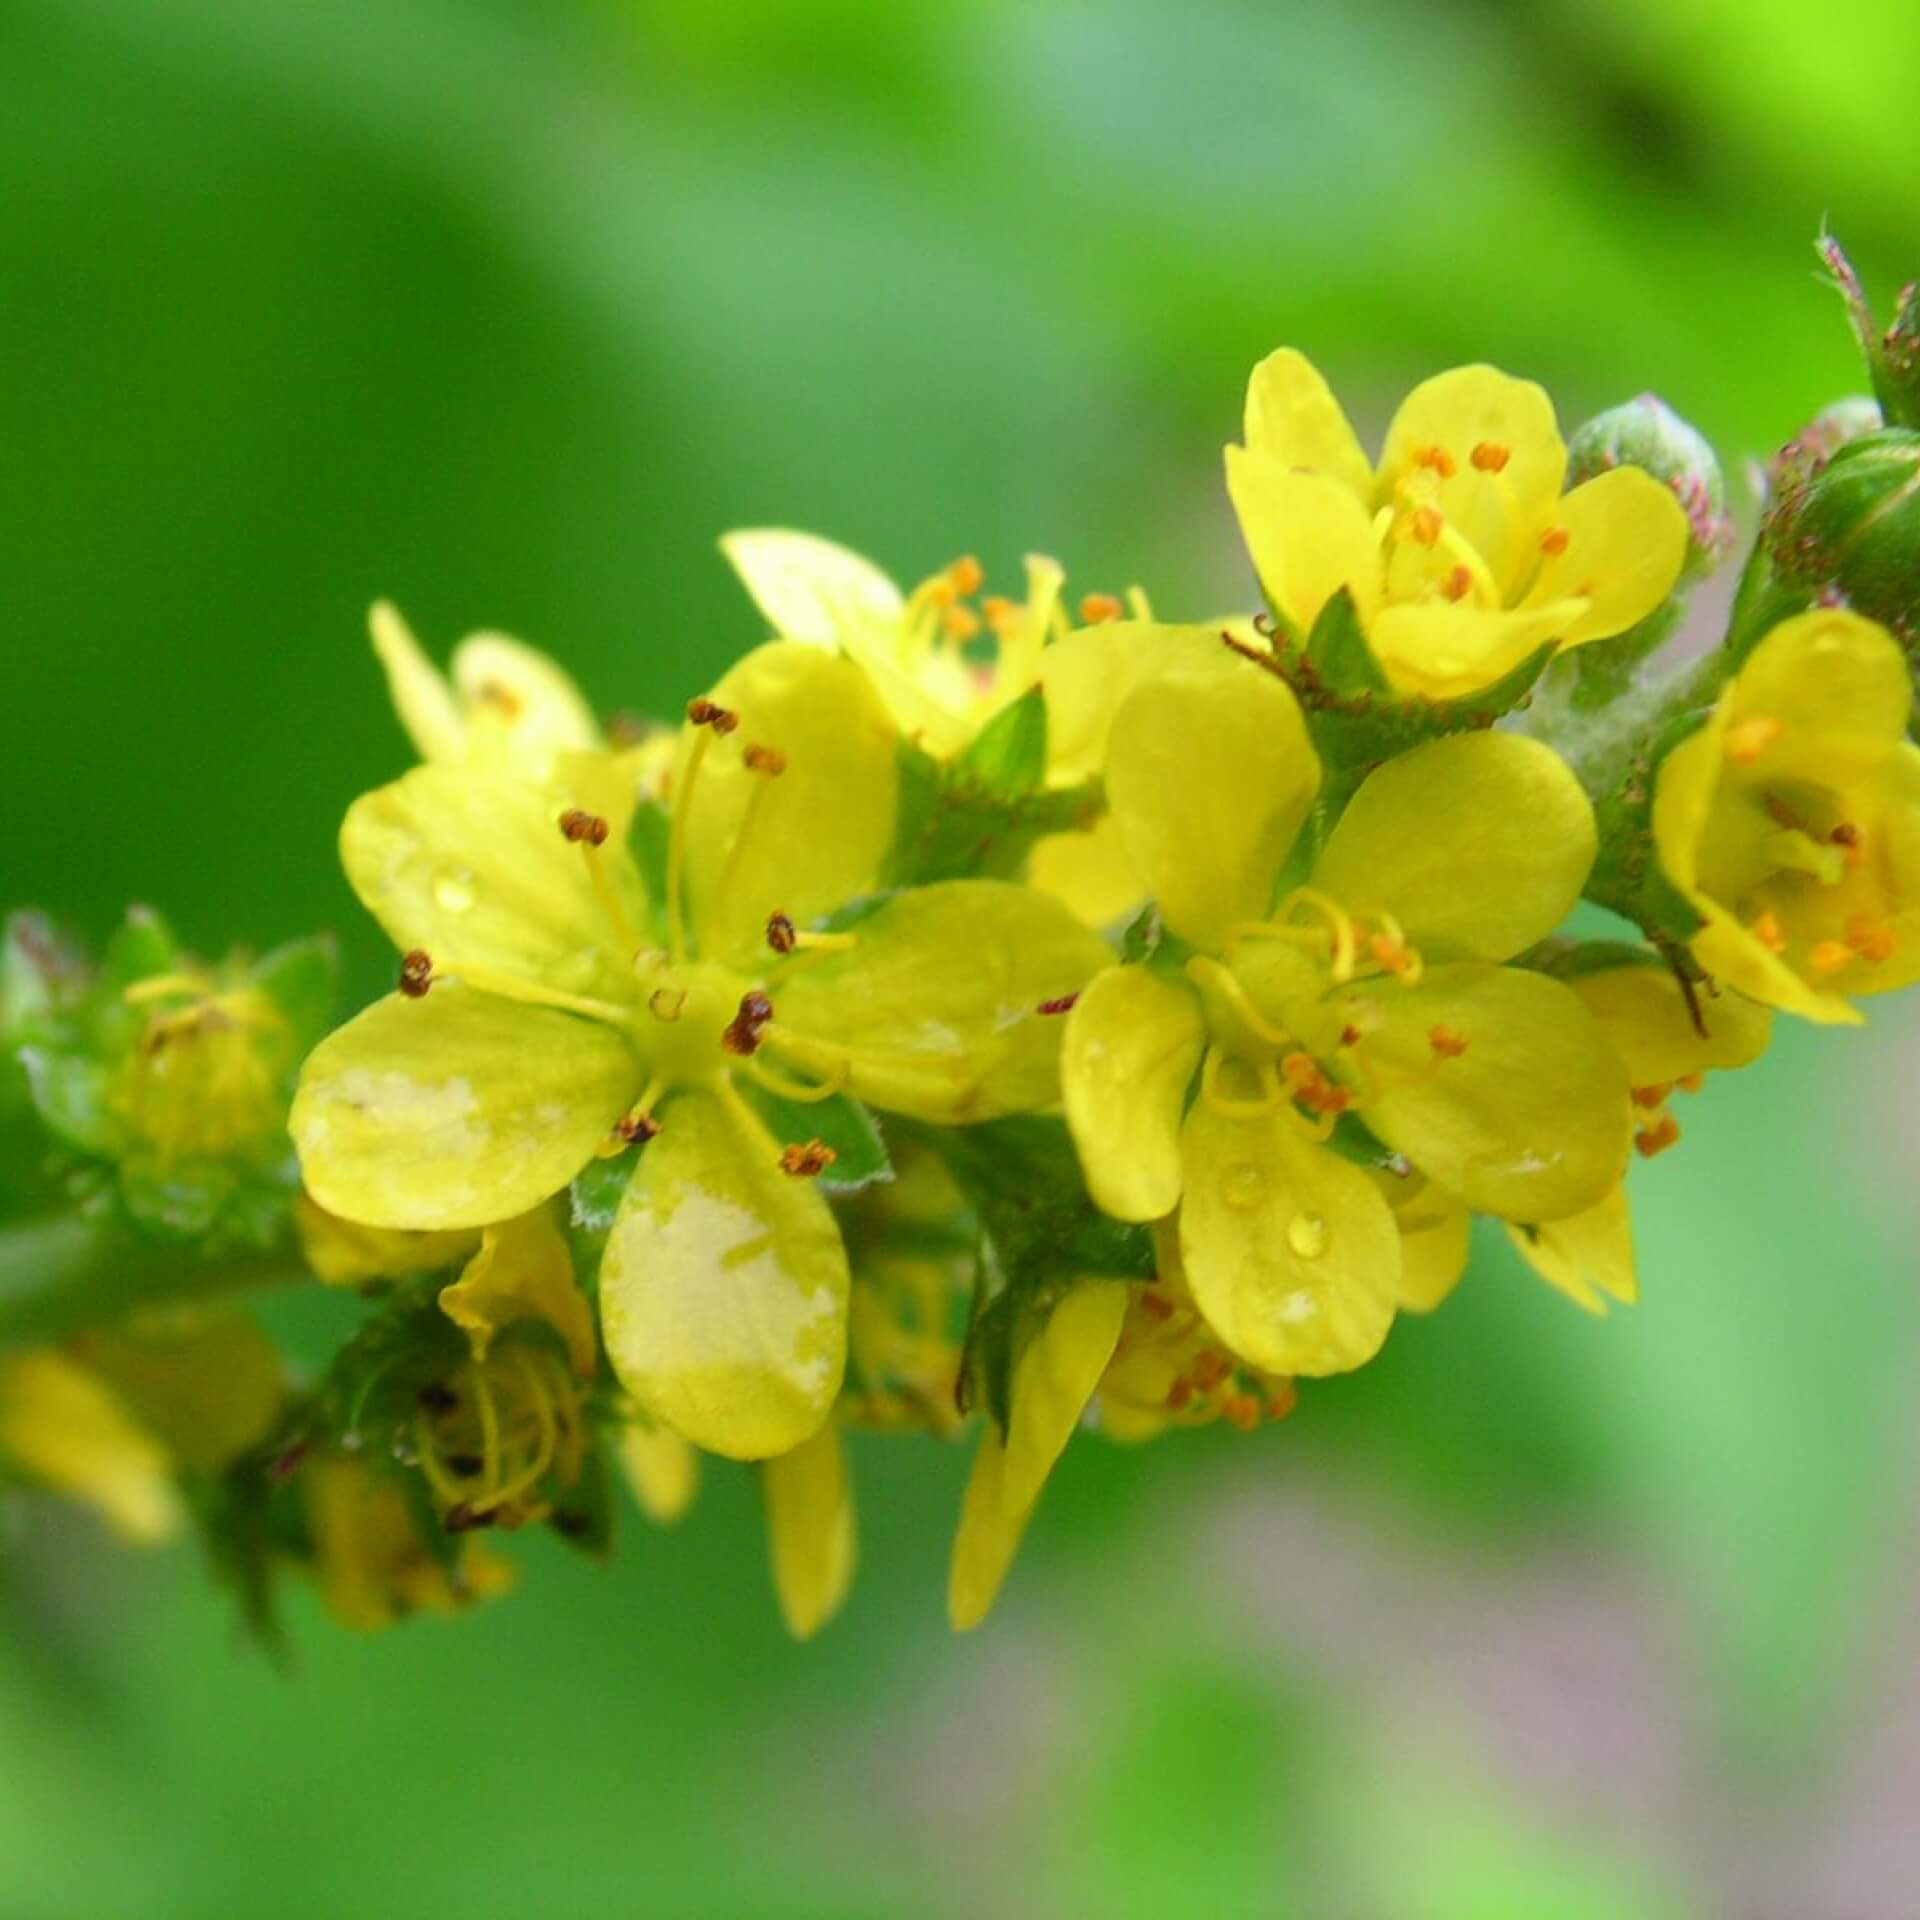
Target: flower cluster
pixel 1017 1012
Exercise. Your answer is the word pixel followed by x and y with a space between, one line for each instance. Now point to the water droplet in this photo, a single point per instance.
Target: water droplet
pixel 1307 1235
pixel 453 890
pixel 1243 1187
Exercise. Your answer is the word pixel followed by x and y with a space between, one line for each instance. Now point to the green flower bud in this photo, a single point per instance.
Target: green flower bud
pixel 1819 440
pixel 1892 357
pixel 1647 433
pixel 1849 535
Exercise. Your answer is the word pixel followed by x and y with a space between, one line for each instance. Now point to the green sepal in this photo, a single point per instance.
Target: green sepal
pixel 962 821
pixel 1339 654
pixel 841 1123
pixel 1562 957
pixel 1007 758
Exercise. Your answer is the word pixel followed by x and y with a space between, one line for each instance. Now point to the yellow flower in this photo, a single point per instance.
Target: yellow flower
pixel 523 1271
pixel 1791 821
pixel 506 705
pixel 919 648
pixel 373 1567
pixel 114 1418
pixel 1375 988
pixel 1666 1041
pixel 543 1020
pixel 1461 552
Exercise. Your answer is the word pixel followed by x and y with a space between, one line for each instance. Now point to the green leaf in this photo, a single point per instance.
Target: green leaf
pixel 1008 756
pixel 841 1123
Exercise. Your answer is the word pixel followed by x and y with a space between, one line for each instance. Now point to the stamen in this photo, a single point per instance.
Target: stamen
pixel 1830 956
pixel 743 1032
pixel 1459 583
pixel 1390 950
pixel 1489 456
pixel 1438 458
pixel 804 1163
pixel 965 575
pixel 505 987
pixel 1691 1082
pixel 1426 525
pixel 1138 604
pixel 782 935
pixel 637 1125
pixel 1748 739
pixel 1307 1082
pixel 1339 923
pixel 1872 941
pixel 959 623
pixel 709 713
pixel 782 1088
pixel 1002 614
pixel 770 763
pixel 416 973
pixel 1447 1042
pixel 1852 844
pixel 589 831
pixel 1652 1098
pixel 1657 1138
pixel 1064 1004
pixel 1206 972
pixel 1555 542
pixel 1766 929
pixel 583 828
pixel 1096 608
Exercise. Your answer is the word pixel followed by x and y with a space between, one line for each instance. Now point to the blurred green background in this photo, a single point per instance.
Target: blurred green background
pixel 507 308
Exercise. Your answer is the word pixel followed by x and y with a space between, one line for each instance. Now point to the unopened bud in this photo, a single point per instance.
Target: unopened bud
pixel 1647 433
pixel 1819 440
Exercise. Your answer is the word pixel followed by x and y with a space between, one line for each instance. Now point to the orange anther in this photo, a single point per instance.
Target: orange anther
pixel 1438 458
pixel 1490 456
pixel 966 574
pixel 1391 952
pixel 1427 523
pixel 1649 1096
pixel 1830 956
pixel 1873 941
pixel 1001 613
pixel 636 1127
pixel 583 828
pixel 1691 1082
pixel 807 1161
pixel 1243 1410
pixel 960 623
pixel 1097 607
pixel 1459 584
pixel 1447 1042
pixel 709 713
pixel 1209 1369
pixel 1748 739
pixel 1766 929
pixel 1656 1139
pixel 1178 1395
pixel 1554 541
pixel 768 760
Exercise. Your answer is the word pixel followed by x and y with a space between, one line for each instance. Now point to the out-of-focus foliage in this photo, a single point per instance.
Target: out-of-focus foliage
pixel 507 308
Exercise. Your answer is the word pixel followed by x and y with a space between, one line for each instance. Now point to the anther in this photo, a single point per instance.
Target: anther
pixel 1001 613
pixel 1657 1138
pixel 1830 956
pixel 1438 458
pixel 1871 941
pixel 760 759
pixel 1766 929
pixel 805 1162
pixel 1427 525
pixel 1155 1305
pixel 1555 541
pixel 583 828
pixel 1652 1098
pixel 743 1032
pixel 965 575
pixel 1350 1035
pixel 1748 739
pixel 1392 953
pixel 709 713
pixel 1847 837
pixel 959 622
pixel 1489 456
pixel 1065 1004
pixel 502 699
pixel 1459 584
pixel 1447 1042
pixel 636 1128
pixel 782 935
pixel 1098 607
pixel 416 973
pixel 1691 1082
pixel 438 1397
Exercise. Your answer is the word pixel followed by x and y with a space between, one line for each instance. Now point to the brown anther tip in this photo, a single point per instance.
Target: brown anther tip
pixel 1064 1004
pixel 709 713
pixel 1447 1043
pixel 1157 1305
pixel 416 973
pixel 1097 608
pixel 743 1032
pixel 636 1128
pixel 768 760
pixel 782 935
pixel 804 1162
pixel 582 827
pixel 1846 834
pixel 1490 456
pixel 1656 1139
pixel 1555 540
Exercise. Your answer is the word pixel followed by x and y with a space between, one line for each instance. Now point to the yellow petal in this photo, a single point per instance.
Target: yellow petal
pixel 456 1110
pixel 1626 543
pixel 1090 673
pixel 203 1387
pixel 1291 1252
pixel 344 1253
pixel 661 1468
pixel 1500 510
pixel 810 589
pixel 1308 535
pixel 1293 420
pixel 421 696
pixel 523 1271
pixel 62 1427
pixel 1588 1257
pixel 1477 844
pixel 1088 873
pixel 1650 1025
pixel 723 1291
pixel 1446 651
pixel 1209 776
pixel 471 868
pixel 1530 1121
pixel 521 708
pixel 808 840
pixel 810 1530
pixel 1840 684
pixel 1133 1043
pixel 1435 1232
pixel 1053 1381
pixel 934 1010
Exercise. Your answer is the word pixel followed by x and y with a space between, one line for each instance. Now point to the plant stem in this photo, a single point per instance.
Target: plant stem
pixel 61 1274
